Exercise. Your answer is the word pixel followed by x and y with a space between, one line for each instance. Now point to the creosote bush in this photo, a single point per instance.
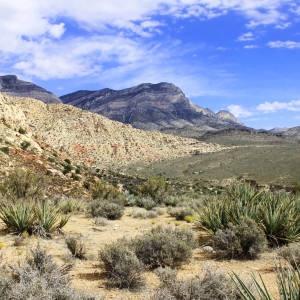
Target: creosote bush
pixel 39 278
pixel 213 285
pixel 243 241
pixel 122 267
pixel 106 209
pixel 179 213
pixel 76 247
pixel 105 190
pixel 165 246
pixel 156 188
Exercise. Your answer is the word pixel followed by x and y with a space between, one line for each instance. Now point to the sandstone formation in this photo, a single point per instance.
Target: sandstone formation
pixel 11 85
pixel 92 138
pixel 154 107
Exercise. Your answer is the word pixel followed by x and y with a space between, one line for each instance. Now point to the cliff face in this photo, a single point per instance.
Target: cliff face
pixel 148 106
pixel 11 85
pixel 94 139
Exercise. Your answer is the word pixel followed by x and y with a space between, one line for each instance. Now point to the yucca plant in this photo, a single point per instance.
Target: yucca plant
pixel 18 217
pixel 288 283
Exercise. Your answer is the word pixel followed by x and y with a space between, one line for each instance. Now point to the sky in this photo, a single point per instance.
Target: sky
pixel 239 55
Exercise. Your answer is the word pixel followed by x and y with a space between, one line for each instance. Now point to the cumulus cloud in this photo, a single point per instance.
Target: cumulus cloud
pixel 275 106
pixel 238 111
pixel 286 44
pixel 246 37
pixel 250 46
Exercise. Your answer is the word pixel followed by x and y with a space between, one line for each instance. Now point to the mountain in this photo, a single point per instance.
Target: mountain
pixel 11 85
pixel 293 132
pixel 153 107
pixel 279 130
pixel 93 139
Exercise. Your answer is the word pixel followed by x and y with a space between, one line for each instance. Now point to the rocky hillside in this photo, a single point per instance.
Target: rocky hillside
pixel 155 107
pixel 91 138
pixel 293 133
pixel 11 85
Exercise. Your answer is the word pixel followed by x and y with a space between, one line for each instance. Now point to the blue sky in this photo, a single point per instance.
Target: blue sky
pixel 238 55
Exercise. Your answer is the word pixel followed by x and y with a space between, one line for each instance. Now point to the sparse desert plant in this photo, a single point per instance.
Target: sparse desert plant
pixel 76 247
pixel 146 202
pixel 39 278
pixel 213 285
pixel 5 150
pixel 71 205
pixel 25 145
pixel 179 213
pixel 22 184
pixel 165 246
pixel 291 253
pixel 288 284
pixel 106 209
pixel 243 241
pixel 105 190
pixel 22 130
pixel 122 267
pixel 18 217
pixel 142 214
pixel 100 221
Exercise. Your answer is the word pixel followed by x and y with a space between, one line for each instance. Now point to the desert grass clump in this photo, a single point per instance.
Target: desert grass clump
pixel 165 246
pixel 142 214
pixel 71 205
pixel 179 213
pixel 106 209
pixel 291 253
pixel 76 247
pixel 39 278
pixel 122 267
pixel 213 285
pixel 243 241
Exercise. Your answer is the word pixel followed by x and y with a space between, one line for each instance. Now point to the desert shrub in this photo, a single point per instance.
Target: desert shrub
pixel 160 210
pixel 278 214
pixel 76 247
pixel 22 184
pixel 5 150
pixel 165 246
pixel 122 267
pixel 213 285
pixel 25 145
pixel 179 213
pixel 100 221
pixel 39 278
pixel 291 254
pixel 71 205
pixel 106 209
pixel 288 284
pixel 243 241
pixel 22 130
pixel 67 161
pixel 141 214
pixel 146 202
pixel 105 190
pixel 156 188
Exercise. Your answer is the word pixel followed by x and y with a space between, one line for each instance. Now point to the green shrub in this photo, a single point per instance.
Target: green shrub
pixel 67 161
pixel 213 285
pixel 39 278
pixel 76 247
pixel 22 184
pixel 25 145
pixel 5 150
pixel 243 241
pixel 22 130
pixel 146 202
pixel 106 209
pixel 104 190
pixel 291 254
pixel 156 188
pixel 51 159
pixel 122 267
pixel 71 205
pixel 165 246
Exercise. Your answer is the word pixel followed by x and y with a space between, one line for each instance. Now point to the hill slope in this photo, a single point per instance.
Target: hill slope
pixel 154 107
pixel 92 138
pixel 11 85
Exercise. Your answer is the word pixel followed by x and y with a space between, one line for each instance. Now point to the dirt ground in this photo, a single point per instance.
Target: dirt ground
pixel 88 274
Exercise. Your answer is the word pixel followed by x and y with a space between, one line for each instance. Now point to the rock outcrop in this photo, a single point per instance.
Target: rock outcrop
pixel 94 139
pixel 153 107
pixel 11 85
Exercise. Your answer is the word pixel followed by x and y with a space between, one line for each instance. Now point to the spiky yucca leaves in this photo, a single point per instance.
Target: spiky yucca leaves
pixel 288 283
pixel 18 217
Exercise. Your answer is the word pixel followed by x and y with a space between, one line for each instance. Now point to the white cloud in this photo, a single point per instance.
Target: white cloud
pixel 238 111
pixel 246 37
pixel 268 107
pixel 283 25
pixel 250 46
pixel 287 44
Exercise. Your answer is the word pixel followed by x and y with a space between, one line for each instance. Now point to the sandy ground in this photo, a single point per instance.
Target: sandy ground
pixel 88 274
